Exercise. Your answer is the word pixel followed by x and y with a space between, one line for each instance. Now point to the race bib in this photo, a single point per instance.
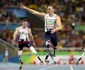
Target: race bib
pixel 22 36
pixel 50 26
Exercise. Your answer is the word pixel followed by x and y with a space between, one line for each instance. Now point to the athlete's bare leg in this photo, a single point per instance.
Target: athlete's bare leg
pixel 52 55
pixel 21 63
pixel 34 52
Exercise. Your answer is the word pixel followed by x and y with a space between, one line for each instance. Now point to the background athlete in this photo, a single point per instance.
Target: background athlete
pixel 52 24
pixel 83 48
pixel 23 34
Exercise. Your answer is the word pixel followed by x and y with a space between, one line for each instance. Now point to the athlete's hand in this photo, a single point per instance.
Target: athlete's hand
pixel 53 31
pixel 55 47
pixel 14 39
pixel 34 44
pixel 22 6
pixel 82 48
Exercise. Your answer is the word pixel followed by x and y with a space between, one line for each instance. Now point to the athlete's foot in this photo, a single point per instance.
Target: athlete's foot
pixel 41 62
pixel 21 62
pixel 55 62
pixel 20 67
pixel 46 61
pixel 78 61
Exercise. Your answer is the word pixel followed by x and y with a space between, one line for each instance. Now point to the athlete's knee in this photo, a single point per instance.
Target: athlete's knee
pixel 55 47
pixel 19 52
pixel 33 50
pixel 48 43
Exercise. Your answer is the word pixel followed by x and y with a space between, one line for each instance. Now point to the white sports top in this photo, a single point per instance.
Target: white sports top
pixel 50 22
pixel 6 53
pixel 23 34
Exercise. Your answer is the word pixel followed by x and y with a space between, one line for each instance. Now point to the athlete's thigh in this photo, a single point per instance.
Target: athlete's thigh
pixel 47 37
pixel 20 46
pixel 28 44
pixel 54 39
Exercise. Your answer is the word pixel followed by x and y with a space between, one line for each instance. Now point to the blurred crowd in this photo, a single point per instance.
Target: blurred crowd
pixel 69 10
pixel 72 13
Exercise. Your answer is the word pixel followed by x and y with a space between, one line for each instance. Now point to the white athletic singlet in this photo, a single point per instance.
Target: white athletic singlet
pixel 50 22
pixel 23 34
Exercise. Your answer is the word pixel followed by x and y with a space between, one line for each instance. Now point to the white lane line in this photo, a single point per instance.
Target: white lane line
pixel 47 67
pixel 71 67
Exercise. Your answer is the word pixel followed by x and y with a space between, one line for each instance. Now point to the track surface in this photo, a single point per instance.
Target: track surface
pixel 12 66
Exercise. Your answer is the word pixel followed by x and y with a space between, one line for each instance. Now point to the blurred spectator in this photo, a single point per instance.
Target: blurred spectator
pixel 72 13
pixel 4 36
pixel 6 55
pixel 14 43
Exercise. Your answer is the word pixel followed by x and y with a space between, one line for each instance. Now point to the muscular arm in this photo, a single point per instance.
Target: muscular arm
pixel 31 36
pixel 58 23
pixel 15 33
pixel 32 11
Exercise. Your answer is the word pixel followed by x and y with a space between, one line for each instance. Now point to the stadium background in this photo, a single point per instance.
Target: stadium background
pixel 72 13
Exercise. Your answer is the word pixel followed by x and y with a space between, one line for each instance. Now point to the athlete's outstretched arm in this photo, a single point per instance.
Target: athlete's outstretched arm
pixel 31 36
pixel 58 24
pixel 31 10
pixel 15 34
